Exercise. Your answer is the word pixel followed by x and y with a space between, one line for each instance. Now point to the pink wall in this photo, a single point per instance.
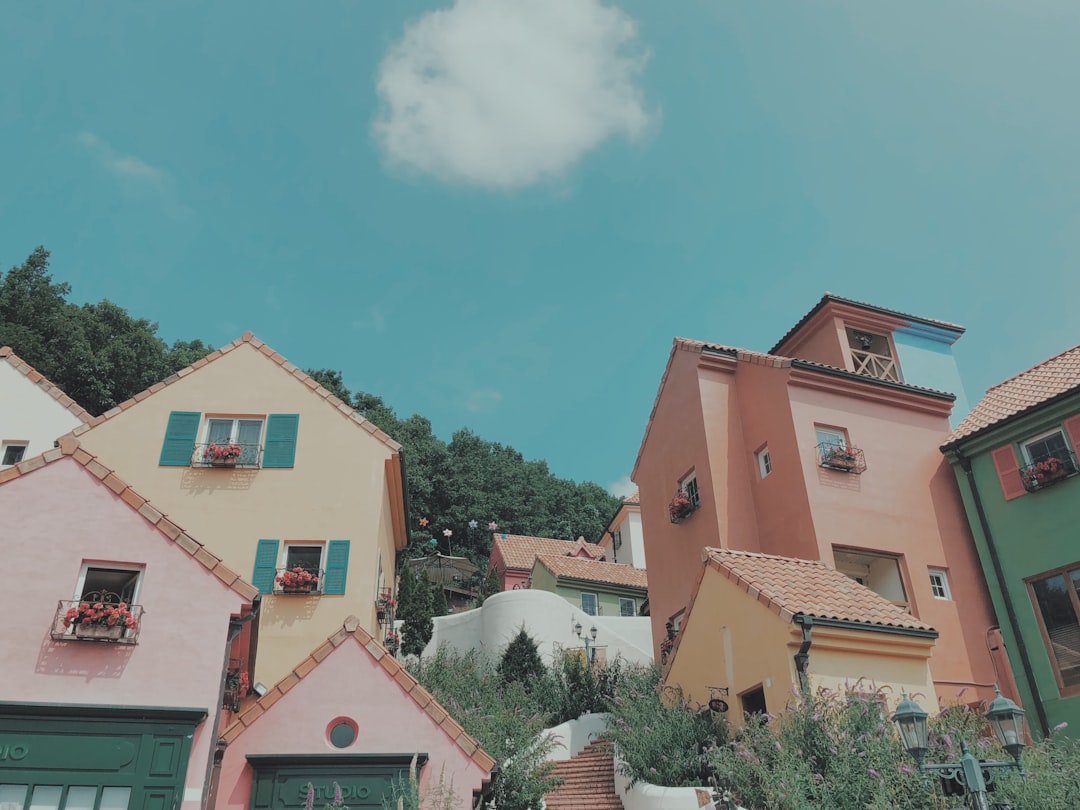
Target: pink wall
pixel 348 683
pixel 822 339
pixel 57 518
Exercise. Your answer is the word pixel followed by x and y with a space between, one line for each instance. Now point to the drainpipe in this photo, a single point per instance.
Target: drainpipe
pixel 802 657
pixel 999 574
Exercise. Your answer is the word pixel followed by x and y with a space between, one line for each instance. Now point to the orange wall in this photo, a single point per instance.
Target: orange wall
pixel 823 340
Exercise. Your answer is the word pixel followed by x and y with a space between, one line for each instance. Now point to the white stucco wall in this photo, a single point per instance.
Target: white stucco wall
pixel 549 619
pixel 27 413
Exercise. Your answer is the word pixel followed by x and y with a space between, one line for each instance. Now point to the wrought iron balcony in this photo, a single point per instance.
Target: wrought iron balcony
pixel 1049 471
pixel 682 507
pixel 99 616
pixel 236 685
pixel 298 580
pixel 841 459
pixel 228 455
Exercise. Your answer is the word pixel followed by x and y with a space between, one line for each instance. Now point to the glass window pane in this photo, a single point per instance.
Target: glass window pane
pixel 220 431
pixel 115 798
pixel 248 434
pixel 1059 618
pixel 80 798
pixel 588 603
pixel 12 797
pixel 45 798
pixel 831 438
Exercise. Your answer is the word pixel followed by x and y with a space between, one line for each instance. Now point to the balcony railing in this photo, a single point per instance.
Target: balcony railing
pixel 1049 471
pixel 298 580
pixel 236 685
pixel 682 507
pixel 231 455
pixel 385 605
pixel 880 366
pixel 100 616
pixel 841 459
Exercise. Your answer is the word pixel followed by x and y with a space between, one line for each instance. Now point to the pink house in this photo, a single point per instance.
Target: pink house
pixel 115 648
pixel 824 448
pixel 348 713
pixel 513 555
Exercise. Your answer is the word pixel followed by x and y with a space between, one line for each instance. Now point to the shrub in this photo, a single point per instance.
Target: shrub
pixel 576 689
pixel 662 739
pixel 521 661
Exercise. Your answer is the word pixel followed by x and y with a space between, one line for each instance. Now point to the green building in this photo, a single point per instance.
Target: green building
pixel 598 588
pixel 1015 459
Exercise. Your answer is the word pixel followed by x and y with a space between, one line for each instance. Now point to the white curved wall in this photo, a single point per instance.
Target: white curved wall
pixel 549 619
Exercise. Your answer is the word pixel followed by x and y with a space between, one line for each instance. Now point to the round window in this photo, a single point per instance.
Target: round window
pixel 342 733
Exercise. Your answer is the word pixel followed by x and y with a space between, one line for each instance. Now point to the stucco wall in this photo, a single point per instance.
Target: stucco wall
pixel 926 359
pixel 28 413
pixel 336 490
pixel 60 517
pixel 349 684
pixel 548 618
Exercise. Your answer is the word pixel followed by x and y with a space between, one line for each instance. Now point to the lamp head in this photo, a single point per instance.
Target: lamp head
pixel 592 632
pixel 911 722
pixel 1007 720
pixel 577 629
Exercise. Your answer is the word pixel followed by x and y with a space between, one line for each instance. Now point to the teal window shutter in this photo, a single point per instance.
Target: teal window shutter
pixel 265 566
pixel 281 440
pixel 180 436
pixel 337 564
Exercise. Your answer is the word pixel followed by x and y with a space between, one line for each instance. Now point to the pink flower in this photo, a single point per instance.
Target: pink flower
pixel 446 532
pixel 492 526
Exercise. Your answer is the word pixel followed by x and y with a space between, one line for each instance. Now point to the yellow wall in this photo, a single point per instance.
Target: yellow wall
pixel 337 490
pixel 732 640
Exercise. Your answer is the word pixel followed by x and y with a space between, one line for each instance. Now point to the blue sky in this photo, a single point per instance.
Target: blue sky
pixel 498 213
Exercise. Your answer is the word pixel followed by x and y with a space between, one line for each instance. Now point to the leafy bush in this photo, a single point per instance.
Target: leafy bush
pixel 521 660
pixel 575 689
pixel 661 738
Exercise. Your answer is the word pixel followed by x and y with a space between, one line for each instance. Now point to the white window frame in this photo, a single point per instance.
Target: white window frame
pixel 8 443
pixel 291 544
pixel 764 460
pixel 939 581
pixel 596 603
pixel 1024 444
pixel 234 433
pixel 633 606
pixel 689 484
pixel 677 620
pixel 827 435
pixel 80 584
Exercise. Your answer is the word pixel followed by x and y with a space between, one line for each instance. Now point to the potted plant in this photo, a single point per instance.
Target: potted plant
pixel 297 580
pixel 839 458
pixel 385 604
pixel 1045 472
pixel 222 455
pixel 100 620
pixel 392 641
pixel 681 507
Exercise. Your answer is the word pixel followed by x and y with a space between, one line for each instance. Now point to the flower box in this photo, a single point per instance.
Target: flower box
pixel 842 459
pixel 99 616
pixel 1048 472
pixel 99 631
pixel 297 580
pixel 681 507
pixel 225 462
pixel 222 455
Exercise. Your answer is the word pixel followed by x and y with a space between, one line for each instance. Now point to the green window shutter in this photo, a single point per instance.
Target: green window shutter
pixel 281 440
pixel 337 564
pixel 265 566
pixel 180 436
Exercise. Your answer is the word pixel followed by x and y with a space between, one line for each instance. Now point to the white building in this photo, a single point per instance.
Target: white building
pixel 33 412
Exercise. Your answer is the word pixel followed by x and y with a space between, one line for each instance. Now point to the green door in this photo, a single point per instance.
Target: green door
pixel 365 779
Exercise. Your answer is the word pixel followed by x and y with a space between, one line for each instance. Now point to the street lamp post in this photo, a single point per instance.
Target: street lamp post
pixel 589 643
pixel 1007 720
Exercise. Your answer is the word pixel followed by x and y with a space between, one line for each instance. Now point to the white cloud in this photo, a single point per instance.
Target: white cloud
pixel 124 165
pixel 483 401
pixel 623 488
pixel 507 93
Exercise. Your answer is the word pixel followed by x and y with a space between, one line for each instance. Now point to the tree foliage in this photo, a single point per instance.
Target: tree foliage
pixel 415 609
pixel 521 660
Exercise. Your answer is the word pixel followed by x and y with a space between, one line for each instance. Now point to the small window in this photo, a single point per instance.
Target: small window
pixel 753 701
pixel 589 603
pixel 13 453
pixel 677 620
pixel 302 571
pixel 690 487
pixel 1047 446
pixel 616 540
pixel 244 434
pixel 764 461
pixel 120 582
pixel 627 607
pixel 831 438
pixel 878 572
pixel 939 585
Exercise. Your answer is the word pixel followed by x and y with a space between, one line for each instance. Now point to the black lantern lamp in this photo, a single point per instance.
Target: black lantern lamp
pixel 1007 720
pixel 911 721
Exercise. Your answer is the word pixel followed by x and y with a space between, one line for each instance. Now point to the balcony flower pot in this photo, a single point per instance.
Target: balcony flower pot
pixel 392 642
pixel 297 580
pixel 222 455
pixel 100 620
pixel 681 507
pixel 99 631
pixel 1045 473
pixel 839 459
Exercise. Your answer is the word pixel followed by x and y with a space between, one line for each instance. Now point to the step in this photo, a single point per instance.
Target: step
pixel 588 781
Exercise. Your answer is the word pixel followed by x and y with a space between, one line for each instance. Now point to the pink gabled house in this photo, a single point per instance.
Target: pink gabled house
pixel 120 715
pixel 513 556
pixel 824 448
pixel 347 713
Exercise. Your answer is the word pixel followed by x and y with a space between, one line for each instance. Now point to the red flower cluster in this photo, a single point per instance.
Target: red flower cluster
pixel 392 641
pixel 1049 470
pixel 680 506
pixel 102 614
pixel 298 578
pixel 220 452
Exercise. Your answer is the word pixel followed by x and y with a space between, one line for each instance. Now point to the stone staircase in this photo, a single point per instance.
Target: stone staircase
pixel 588 781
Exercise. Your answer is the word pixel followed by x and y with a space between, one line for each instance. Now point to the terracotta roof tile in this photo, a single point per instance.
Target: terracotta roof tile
pixel 420 696
pixel 1023 392
pixel 810 587
pixel 8 355
pixel 520 551
pixel 270 355
pixel 594 571
pixel 635 498
pixel 69 447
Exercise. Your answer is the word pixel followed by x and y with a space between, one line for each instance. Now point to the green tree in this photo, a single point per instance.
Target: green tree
pixel 491 584
pixel 439 607
pixel 415 609
pixel 521 660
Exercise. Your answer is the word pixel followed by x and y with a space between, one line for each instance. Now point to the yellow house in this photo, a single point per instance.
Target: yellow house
pixel 287 483
pixel 761 628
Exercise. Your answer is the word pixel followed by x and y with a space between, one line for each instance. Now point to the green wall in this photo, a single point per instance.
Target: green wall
pixel 570 590
pixel 1033 534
